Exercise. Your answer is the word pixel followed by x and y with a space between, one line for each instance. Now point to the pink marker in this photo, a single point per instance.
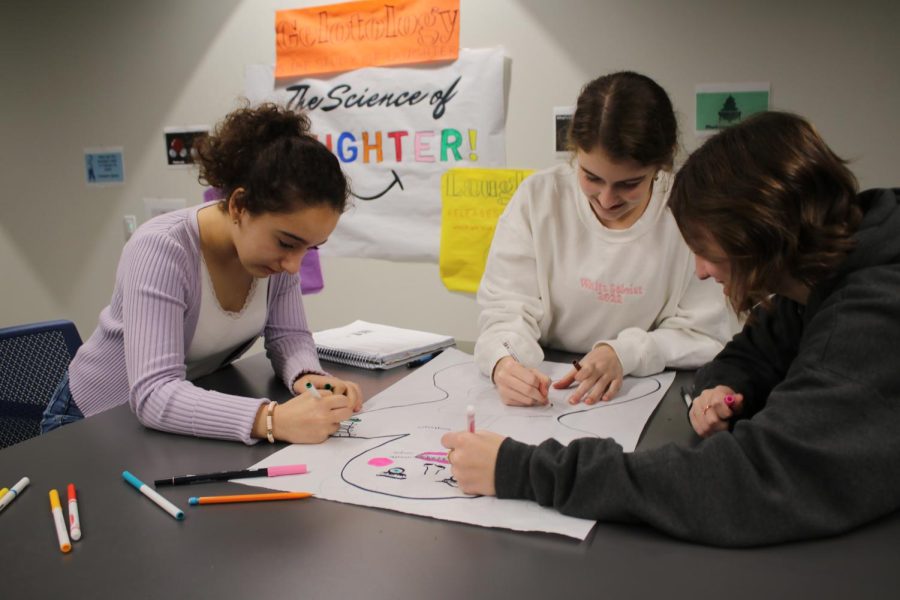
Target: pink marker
pixel 226 475
pixel 729 400
pixel 470 418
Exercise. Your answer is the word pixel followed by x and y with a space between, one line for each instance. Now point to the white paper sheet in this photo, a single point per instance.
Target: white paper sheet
pixel 390 456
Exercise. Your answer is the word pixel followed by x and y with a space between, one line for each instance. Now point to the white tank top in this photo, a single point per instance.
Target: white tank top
pixel 220 333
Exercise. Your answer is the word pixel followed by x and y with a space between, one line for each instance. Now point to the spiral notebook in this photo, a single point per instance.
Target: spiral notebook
pixel 375 346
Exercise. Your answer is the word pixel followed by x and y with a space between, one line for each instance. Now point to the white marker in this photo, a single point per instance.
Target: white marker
pixel 153 495
pixel 512 352
pixel 470 418
pixel 13 493
pixel 312 390
pixel 74 521
pixel 59 521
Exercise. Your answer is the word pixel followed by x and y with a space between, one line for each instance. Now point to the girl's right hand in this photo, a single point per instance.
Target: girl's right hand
pixel 305 419
pixel 519 385
pixel 713 410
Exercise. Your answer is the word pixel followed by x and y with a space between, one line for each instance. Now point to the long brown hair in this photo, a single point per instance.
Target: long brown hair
pixel 629 116
pixel 775 198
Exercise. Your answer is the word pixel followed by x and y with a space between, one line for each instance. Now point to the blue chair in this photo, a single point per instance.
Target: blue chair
pixel 33 359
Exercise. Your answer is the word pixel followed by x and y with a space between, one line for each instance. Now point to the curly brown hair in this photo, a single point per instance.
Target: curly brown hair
pixel 629 116
pixel 775 198
pixel 269 153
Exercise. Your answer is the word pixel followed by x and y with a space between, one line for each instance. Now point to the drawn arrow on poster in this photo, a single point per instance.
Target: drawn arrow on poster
pixel 396 181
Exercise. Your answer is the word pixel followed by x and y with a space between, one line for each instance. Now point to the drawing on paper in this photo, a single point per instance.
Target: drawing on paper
pixel 389 455
pixel 405 478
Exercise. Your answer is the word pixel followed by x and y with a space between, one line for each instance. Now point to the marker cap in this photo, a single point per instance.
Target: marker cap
pixel 287 470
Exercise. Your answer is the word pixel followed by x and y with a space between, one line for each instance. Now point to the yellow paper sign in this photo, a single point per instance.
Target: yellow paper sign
pixel 344 37
pixel 472 200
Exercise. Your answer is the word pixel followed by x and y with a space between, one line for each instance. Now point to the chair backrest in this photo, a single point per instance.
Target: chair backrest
pixel 33 359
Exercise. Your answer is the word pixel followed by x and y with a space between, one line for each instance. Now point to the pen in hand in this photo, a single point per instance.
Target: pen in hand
pixel 687 397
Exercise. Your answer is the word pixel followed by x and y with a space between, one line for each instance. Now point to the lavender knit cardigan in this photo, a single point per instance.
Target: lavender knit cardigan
pixel 137 352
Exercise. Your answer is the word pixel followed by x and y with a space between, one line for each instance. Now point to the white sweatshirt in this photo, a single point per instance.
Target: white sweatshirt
pixel 557 277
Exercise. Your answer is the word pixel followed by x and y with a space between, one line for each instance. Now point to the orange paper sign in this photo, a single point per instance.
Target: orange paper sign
pixel 343 37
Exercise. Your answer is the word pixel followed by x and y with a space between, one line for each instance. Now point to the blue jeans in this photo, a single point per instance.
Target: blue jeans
pixel 62 409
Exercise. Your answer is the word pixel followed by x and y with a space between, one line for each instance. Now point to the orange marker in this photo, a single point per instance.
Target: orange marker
pixel 248 498
pixel 59 521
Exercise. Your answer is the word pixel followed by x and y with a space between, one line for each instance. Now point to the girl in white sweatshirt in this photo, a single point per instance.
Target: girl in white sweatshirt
pixel 587 258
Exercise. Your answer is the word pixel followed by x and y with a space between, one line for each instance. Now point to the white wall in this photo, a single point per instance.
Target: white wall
pixel 96 73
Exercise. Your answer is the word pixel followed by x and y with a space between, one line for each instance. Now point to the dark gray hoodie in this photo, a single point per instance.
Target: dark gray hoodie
pixel 817 449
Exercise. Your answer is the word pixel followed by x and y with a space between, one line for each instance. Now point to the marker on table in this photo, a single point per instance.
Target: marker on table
pixel 3 492
pixel 422 360
pixel 14 492
pixel 74 521
pixel 687 397
pixel 226 475
pixel 312 390
pixel 194 501
pixel 59 521
pixel 470 418
pixel 153 495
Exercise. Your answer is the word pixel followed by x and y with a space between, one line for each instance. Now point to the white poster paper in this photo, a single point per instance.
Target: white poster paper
pixel 389 455
pixel 395 131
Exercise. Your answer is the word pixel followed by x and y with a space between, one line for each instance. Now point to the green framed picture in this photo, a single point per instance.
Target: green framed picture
pixel 721 105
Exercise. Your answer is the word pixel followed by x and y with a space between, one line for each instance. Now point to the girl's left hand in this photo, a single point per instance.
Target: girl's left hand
pixel 714 409
pixel 338 386
pixel 473 460
pixel 599 378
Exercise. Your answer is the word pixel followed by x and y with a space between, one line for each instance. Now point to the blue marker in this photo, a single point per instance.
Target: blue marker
pixel 13 492
pixel 422 360
pixel 153 495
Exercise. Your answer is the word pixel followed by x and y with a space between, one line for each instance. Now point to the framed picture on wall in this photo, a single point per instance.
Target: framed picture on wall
pixel 180 143
pixel 562 120
pixel 719 105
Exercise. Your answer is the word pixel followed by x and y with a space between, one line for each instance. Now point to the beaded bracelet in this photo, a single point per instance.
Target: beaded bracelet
pixel 270 411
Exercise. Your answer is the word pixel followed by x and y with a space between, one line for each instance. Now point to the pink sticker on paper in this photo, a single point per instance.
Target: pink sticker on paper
pixel 435 457
pixel 380 462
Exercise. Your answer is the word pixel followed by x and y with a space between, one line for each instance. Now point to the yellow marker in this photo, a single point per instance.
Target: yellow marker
pixel 60 522
pixel 3 492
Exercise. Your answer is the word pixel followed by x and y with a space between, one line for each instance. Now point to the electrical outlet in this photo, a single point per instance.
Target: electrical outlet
pixel 130 223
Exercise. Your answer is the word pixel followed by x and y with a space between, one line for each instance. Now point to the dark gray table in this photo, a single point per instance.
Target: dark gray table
pixel 320 549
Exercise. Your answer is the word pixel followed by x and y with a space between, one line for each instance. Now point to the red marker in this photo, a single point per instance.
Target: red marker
pixel 74 522
pixel 470 418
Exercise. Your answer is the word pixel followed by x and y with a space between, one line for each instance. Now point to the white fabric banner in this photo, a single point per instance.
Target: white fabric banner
pixel 395 132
